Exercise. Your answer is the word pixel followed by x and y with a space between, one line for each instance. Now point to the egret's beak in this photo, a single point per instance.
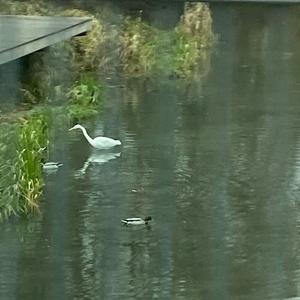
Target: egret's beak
pixel 71 129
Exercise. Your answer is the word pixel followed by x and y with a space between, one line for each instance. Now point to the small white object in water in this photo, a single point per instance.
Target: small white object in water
pixel 51 165
pixel 100 142
pixel 136 221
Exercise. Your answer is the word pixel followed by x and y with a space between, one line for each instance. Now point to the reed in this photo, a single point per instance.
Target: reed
pixel 46 72
pixel 32 141
pixel 30 7
pixel 85 98
pixel 8 199
pixel 21 173
pixel 138 42
pixel 88 49
pixel 193 39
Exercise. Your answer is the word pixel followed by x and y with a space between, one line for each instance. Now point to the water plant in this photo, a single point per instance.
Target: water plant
pixel 88 49
pixel 32 141
pixel 85 98
pixel 49 74
pixel 8 201
pixel 31 7
pixel 183 51
pixel 193 39
pixel 138 41
pixel 21 174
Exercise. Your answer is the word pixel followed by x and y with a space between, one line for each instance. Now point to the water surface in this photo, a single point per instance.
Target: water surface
pixel 216 163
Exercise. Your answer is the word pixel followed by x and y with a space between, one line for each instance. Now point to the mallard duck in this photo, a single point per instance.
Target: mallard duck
pixel 100 142
pixel 136 221
pixel 51 165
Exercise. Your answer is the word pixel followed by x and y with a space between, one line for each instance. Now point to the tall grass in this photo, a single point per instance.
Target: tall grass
pixel 183 51
pixel 32 140
pixel 20 166
pixel 138 41
pixel 85 98
pixel 8 199
pixel 49 74
pixel 88 49
pixel 193 40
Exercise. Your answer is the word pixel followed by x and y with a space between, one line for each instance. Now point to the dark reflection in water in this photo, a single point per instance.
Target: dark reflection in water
pixel 216 164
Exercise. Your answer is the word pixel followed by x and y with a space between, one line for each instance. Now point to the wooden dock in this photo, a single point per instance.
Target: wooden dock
pixel 22 35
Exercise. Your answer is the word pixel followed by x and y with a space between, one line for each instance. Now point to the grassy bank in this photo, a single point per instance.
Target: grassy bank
pixel 24 145
pixel 25 141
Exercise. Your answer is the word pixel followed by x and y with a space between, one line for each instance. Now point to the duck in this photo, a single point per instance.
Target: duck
pixel 100 142
pixel 51 165
pixel 136 221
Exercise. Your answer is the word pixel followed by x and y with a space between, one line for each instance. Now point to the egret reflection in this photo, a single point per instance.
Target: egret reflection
pixel 97 158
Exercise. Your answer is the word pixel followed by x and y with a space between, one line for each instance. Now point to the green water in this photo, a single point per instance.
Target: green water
pixel 216 163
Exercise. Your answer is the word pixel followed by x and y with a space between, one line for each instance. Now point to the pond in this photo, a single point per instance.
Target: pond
pixel 216 163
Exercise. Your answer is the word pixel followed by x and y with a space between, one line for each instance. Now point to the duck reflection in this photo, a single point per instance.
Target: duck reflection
pixel 97 158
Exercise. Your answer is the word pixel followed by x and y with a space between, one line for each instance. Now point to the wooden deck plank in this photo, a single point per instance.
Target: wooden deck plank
pixel 22 35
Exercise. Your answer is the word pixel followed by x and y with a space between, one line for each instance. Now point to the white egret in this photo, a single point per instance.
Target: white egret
pixel 100 142
pixel 136 221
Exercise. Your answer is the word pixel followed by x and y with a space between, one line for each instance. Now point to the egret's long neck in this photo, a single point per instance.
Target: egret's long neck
pixel 89 139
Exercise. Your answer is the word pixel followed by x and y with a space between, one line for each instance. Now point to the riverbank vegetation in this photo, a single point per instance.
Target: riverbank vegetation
pixel 193 39
pixel 20 170
pixel 141 49
pixel 85 98
pixel 181 52
pixel 138 41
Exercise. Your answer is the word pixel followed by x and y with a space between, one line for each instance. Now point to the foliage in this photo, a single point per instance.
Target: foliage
pixel 31 141
pixel 31 7
pixel 137 47
pixel 45 73
pixel 21 173
pixel 145 49
pixel 88 49
pixel 85 98
pixel 194 38
pixel 8 199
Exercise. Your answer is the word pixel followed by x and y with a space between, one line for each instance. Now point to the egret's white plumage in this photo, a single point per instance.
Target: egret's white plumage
pixel 100 142
pixel 136 221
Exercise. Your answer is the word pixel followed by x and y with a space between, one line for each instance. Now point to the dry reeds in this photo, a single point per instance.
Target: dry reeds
pixel 137 47
pixel 194 38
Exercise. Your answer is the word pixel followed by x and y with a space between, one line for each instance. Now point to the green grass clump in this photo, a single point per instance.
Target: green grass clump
pixel 46 72
pixel 8 199
pixel 183 51
pixel 30 7
pixel 32 140
pixel 138 42
pixel 20 166
pixel 88 49
pixel 85 98
pixel 193 40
